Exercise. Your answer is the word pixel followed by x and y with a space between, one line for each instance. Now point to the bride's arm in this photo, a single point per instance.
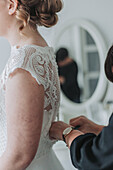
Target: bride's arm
pixel 24 109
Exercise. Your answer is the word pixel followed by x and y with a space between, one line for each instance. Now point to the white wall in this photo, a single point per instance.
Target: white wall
pixel 100 12
pixel 4 53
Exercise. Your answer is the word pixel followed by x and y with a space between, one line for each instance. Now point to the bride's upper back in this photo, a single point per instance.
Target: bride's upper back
pixel 40 63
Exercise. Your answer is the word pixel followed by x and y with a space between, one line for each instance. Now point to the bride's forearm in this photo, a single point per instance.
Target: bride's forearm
pixel 9 162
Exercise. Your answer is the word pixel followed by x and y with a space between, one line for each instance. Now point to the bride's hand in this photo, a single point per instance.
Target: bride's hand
pixel 56 130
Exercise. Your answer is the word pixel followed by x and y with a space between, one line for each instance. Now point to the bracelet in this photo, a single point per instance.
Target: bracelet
pixel 73 128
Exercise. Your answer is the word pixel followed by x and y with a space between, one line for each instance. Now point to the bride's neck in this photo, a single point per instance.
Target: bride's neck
pixel 27 36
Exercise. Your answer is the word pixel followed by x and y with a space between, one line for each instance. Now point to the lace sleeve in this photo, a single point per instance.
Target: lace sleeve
pixel 31 60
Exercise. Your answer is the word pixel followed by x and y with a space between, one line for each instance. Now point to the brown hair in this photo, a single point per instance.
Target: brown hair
pixel 38 12
pixel 109 64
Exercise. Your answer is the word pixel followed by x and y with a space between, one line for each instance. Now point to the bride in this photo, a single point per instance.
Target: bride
pixel 29 86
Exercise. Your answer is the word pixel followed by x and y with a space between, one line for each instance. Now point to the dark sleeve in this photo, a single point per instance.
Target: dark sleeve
pixel 91 152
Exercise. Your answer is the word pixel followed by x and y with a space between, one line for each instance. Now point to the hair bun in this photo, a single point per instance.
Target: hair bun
pixel 46 12
pixel 47 20
pixel 38 12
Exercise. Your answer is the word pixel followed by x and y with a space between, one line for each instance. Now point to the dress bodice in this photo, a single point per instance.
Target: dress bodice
pixel 40 62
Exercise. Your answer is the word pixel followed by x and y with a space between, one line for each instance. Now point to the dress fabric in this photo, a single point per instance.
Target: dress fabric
pixel 40 63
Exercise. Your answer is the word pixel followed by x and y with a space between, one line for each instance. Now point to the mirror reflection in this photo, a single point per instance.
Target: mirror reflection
pixel 68 72
pixel 78 63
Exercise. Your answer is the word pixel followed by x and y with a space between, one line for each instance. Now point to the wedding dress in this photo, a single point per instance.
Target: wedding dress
pixel 40 62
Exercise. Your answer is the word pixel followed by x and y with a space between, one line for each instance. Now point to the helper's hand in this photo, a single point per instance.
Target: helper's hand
pixel 86 125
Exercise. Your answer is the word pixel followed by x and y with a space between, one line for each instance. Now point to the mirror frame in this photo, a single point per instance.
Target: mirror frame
pixel 99 93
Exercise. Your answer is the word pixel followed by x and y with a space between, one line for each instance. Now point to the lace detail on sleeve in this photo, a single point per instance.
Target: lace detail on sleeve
pixel 31 60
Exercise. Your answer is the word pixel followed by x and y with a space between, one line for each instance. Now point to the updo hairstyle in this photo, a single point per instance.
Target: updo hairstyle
pixel 38 12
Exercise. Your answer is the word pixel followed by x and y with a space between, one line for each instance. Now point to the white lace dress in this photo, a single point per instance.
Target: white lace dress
pixel 40 62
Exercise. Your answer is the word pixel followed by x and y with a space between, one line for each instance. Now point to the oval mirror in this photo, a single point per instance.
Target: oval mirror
pixel 80 55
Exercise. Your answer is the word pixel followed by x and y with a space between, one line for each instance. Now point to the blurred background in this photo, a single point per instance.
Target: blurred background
pixel 81 39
